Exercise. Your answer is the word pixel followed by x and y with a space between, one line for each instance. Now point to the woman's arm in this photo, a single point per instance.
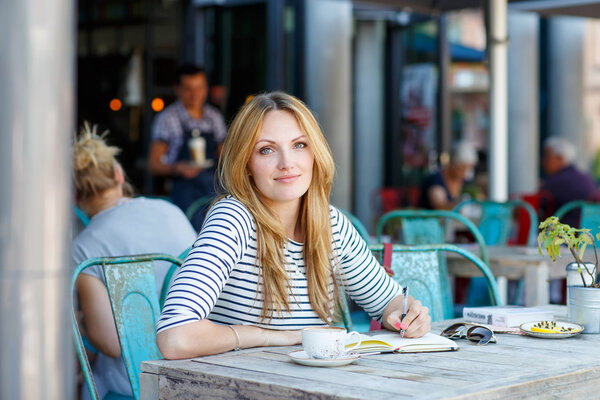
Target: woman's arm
pixel 417 321
pixel 97 315
pixel 203 338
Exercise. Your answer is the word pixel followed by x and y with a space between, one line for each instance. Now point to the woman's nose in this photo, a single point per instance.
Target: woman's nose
pixel 285 159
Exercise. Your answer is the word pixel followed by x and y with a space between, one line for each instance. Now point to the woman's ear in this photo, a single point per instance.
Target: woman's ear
pixel 119 174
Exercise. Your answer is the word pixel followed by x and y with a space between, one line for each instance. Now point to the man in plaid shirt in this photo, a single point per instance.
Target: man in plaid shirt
pixel 173 129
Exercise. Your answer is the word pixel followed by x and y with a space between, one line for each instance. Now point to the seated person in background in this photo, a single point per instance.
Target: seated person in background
pixel 442 189
pixel 563 181
pixel 273 252
pixel 120 225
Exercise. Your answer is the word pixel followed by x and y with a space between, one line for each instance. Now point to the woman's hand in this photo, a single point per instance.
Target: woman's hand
pixel 417 321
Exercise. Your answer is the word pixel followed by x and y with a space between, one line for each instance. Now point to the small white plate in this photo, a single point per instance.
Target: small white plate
pixel 302 358
pixel 576 330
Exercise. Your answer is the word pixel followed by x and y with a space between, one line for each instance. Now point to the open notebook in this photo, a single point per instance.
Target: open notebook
pixel 393 342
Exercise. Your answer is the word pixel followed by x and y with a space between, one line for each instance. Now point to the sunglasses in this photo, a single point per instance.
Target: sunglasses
pixel 475 333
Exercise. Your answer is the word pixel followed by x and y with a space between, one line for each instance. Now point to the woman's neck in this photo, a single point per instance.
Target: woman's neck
pixel 103 201
pixel 288 216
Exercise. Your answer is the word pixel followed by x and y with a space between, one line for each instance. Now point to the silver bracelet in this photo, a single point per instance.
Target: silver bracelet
pixel 237 336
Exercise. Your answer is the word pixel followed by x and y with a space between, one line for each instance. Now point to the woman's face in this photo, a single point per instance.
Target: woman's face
pixel 281 163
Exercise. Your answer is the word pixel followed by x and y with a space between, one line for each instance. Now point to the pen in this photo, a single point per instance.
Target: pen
pixel 405 306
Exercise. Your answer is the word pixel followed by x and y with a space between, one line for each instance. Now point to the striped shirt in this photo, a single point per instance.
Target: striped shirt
pixel 219 279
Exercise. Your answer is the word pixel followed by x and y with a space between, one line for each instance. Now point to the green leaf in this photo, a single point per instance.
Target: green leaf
pixel 582 250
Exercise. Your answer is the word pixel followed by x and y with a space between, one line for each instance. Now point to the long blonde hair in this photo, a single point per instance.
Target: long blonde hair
pixel 94 164
pixel 314 209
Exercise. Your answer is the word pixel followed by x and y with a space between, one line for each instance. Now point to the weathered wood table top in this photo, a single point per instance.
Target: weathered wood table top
pixel 515 367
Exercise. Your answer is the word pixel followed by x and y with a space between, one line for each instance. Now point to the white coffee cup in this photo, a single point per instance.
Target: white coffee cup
pixel 327 342
pixel 198 149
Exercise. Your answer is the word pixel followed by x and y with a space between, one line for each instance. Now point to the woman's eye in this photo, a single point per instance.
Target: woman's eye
pixel 300 145
pixel 265 150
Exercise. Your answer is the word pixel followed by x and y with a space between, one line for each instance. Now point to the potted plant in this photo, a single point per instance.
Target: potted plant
pixel 583 299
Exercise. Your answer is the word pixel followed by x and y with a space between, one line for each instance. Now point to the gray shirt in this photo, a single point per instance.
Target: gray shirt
pixel 135 226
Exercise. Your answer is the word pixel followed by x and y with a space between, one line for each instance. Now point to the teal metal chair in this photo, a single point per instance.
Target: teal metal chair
pixel 418 268
pixel 169 276
pixel 429 227
pixel 590 215
pixel 83 218
pixel 496 223
pixel 197 205
pixel 498 219
pixel 358 225
pixel 131 286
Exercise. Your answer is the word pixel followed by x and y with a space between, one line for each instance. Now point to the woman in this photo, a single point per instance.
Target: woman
pixel 120 225
pixel 272 250
pixel 442 189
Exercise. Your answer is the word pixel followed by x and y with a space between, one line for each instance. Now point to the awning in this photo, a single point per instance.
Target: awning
pixel 427 44
pixel 579 8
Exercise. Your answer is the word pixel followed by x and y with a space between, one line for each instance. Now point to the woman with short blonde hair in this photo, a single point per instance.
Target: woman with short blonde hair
pixel 272 250
pixel 119 225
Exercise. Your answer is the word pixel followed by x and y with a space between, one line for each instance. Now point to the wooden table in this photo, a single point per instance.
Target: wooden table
pixel 517 262
pixel 514 368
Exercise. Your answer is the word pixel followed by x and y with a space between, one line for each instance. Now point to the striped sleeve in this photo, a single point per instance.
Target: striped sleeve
pixel 361 275
pixel 199 282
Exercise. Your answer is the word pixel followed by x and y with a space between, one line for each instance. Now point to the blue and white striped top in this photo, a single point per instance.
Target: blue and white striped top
pixel 219 279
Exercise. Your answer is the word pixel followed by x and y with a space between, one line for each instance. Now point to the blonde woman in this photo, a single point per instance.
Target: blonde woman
pixel 119 225
pixel 272 251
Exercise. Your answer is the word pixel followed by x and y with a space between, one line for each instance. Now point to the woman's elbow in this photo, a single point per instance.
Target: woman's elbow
pixel 169 345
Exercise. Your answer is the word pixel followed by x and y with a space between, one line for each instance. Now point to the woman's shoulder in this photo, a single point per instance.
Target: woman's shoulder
pixel 232 208
pixel 337 217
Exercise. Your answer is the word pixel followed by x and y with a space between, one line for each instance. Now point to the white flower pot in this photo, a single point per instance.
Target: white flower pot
pixel 584 307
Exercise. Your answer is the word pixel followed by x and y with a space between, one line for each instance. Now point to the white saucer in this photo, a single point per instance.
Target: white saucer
pixel 575 330
pixel 302 358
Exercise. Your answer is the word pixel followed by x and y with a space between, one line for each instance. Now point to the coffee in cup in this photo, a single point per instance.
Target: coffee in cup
pixel 327 342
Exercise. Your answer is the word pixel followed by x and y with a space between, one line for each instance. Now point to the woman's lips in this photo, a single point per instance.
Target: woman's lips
pixel 287 178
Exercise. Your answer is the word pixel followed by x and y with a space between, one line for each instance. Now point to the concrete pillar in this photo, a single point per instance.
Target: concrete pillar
pixel 565 84
pixel 368 116
pixel 328 66
pixel 498 142
pixel 523 102
pixel 36 127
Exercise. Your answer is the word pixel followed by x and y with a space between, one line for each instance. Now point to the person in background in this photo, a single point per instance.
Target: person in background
pixel 442 189
pixel 563 181
pixel 175 133
pixel 273 252
pixel 119 225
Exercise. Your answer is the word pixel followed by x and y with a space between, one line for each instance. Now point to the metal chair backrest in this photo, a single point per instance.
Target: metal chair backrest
pixel 358 225
pixel 131 286
pixel 197 205
pixel 81 215
pixel 169 276
pixel 417 267
pixel 429 227
pixel 590 215
pixel 496 221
